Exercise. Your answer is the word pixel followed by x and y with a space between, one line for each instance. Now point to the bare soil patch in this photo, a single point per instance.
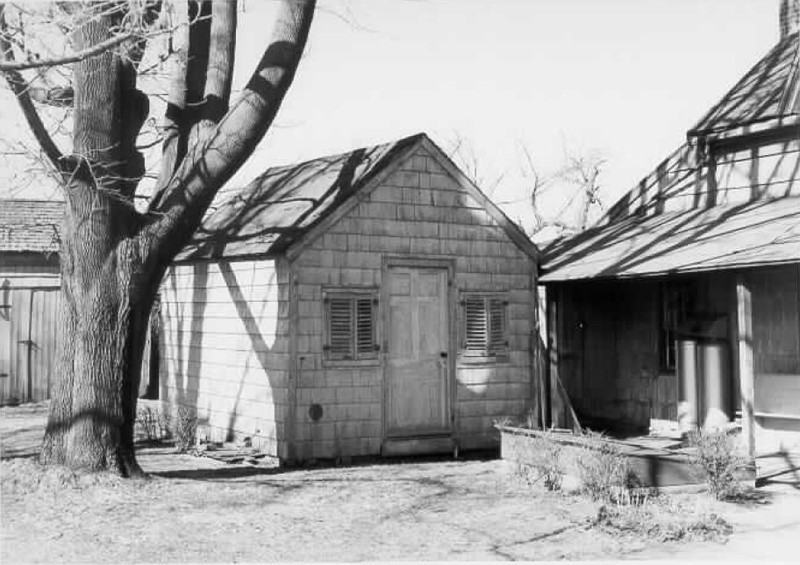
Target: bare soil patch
pixel 195 509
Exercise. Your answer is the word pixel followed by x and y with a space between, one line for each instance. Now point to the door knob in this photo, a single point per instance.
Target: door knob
pixel 443 354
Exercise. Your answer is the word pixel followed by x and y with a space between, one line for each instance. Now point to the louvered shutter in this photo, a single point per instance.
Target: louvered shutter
pixel 365 327
pixel 475 323
pixel 497 326
pixel 340 319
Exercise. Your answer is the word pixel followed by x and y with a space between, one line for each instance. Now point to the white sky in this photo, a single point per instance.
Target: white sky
pixel 625 78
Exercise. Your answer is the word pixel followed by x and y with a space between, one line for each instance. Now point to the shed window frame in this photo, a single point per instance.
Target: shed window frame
pixel 491 311
pixel 346 307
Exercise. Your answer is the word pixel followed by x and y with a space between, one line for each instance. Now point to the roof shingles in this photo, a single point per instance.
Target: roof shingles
pixel 281 205
pixel 30 225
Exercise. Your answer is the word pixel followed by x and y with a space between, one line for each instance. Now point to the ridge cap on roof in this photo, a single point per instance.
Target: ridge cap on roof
pixel 340 154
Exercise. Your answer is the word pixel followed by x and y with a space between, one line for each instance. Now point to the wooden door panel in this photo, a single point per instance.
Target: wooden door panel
pixel 417 370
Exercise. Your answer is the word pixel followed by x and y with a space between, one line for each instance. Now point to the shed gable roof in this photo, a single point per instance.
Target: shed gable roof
pixel 30 225
pixel 286 207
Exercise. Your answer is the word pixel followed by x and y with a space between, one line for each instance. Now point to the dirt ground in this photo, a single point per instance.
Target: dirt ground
pixel 196 509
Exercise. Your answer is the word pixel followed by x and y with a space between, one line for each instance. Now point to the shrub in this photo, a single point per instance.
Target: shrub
pixel 184 429
pixel 152 423
pixel 718 459
pixel 605 473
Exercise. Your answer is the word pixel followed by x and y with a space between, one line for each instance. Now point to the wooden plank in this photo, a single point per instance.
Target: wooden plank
pixel 5 344
pixel 744 338
pixel 418 445
pixel 44 312
pixel 20 343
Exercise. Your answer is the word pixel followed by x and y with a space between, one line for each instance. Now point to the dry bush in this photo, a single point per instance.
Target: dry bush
pixel 663 519
pixel 184 429
pixel 605 473
pixel 549 468
pixel 718 458
pixel 152 423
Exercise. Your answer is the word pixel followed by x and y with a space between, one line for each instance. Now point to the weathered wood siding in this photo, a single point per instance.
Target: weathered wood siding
pixel 29 297
pixel 776 352
pixel 225 347
pixel 609 361
pixel 609 338
pixel 418 211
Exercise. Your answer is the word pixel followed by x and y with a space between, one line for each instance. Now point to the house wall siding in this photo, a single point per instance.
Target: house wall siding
pixel 608 361
pixel 419 211
pixel 29 300
pixel 225 348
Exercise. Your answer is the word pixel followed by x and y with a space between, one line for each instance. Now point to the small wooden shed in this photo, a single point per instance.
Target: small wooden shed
pixel 29 295
pixel 682 307
pixel 373 302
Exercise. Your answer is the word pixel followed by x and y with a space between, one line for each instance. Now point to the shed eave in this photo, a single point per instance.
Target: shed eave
pixel 556 278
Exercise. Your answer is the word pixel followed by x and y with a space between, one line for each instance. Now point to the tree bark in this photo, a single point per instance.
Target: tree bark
pixel 99 358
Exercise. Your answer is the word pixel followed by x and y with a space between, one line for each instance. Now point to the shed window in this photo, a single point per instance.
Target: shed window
pixel 485 325
pixel 350 325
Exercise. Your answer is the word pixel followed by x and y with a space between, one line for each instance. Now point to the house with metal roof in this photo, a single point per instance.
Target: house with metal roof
pixel 29 294
pixel 372 302
pixel 681 308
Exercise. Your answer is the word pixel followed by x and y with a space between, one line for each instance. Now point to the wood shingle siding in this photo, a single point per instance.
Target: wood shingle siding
pixel 290 345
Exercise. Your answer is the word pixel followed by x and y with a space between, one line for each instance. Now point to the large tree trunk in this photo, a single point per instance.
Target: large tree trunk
pixel 105 304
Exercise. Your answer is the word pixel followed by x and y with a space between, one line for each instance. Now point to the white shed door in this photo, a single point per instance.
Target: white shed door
pixel 418 348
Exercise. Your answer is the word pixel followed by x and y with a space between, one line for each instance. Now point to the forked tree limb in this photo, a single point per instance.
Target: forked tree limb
pixel 215 46
pixel 187 87
pixel 211 163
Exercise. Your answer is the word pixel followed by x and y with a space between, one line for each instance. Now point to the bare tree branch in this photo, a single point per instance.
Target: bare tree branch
pixel 20 88
pixel 93 51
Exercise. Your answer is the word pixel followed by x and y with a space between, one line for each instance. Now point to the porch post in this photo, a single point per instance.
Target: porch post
pixel 744 339
pixel 551 381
